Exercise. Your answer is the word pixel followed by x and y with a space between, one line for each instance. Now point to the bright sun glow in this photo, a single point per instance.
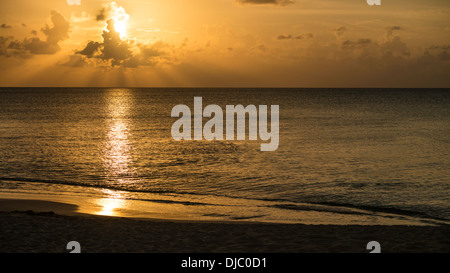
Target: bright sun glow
pixel 110 205
pixel 120 18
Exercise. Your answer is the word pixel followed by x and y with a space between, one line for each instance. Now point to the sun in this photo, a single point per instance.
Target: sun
pixel 120 18
pixel 121 28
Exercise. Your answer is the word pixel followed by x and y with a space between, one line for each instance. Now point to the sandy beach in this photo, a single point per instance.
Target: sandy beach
pixel 42 226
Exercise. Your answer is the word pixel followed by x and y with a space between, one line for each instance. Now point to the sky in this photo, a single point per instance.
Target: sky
pixel 224 43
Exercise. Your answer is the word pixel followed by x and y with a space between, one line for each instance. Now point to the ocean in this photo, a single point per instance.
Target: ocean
pixel 345 156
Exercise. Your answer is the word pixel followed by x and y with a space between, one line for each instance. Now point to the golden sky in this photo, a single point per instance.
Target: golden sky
pixel 225 43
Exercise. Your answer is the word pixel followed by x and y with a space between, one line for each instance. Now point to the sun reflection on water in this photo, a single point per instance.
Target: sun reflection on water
pixel 117 156
pixel 110 206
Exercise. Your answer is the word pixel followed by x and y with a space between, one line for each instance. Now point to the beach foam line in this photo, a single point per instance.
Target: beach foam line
pixel 97 186
pixel 162 211
pixel 211 200
pixel 106 202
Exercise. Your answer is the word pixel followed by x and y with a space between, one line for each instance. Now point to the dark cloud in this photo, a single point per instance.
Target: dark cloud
pixel 390 30
pixel 339 32
pixel 35 46
pixel 15 45
pixel 298 37
pixel 305 36
pixel 59 31
pixel 442 47
pixel 356 44
pixel 4 42
pixel 284 37
pixel 435 55
pixel 395 47
pixel 101 16
pixel 262 48
pixel 5 26
pixel 112 49
pixel 9 47
pixel 393 28
pixel 391 49
pixel 117 52
pixel 266 2
pixel 91 49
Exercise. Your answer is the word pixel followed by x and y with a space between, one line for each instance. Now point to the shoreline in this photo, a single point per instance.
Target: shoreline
pixel 38 230
pixel 36 204
pixel 98 201
pixel 36 207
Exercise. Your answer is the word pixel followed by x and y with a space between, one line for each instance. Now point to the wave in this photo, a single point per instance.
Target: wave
pixel 186 203
pixel 344 208
pixel 311 207
pixel 95 186
pixel 385 209
pixel 280 203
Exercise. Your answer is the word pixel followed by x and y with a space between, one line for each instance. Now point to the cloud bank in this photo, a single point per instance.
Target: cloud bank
pixel 114 50
pixel 35 46
pixel 295 37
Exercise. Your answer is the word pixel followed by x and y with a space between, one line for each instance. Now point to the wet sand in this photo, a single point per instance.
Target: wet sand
pixel 49 226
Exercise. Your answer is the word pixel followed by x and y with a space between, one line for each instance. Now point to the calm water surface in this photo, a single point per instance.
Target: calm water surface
pixel 379 151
